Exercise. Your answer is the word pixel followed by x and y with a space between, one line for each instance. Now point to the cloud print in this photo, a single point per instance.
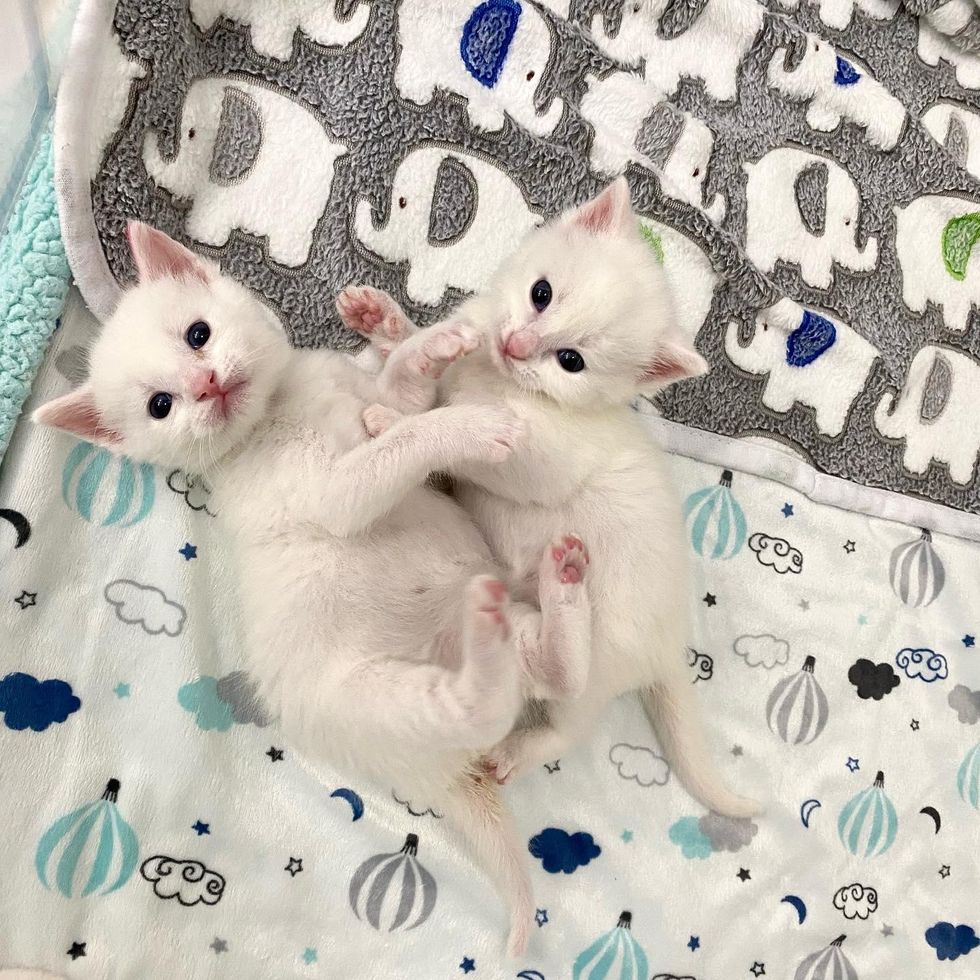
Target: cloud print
pixel 241 693
pixel 923 663
pixel 26 702
pixel 640 764
pixel 145 606
pixel 219 704
pixel 727 833
pixel 687 835
pixel 764 650
pixel 965 703
pixel 856 901
pixel 873 680
pixel 950 942
pixel 196 493
pixel 190 882
pixel 560 851
pixel 776 553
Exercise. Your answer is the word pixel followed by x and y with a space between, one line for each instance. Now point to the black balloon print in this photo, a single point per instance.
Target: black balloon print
pixel 873 680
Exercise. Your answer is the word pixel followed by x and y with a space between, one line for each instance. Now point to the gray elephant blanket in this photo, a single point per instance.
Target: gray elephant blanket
pixel 808 173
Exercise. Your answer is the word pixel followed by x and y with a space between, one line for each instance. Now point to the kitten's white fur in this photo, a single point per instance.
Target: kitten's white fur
pixel 586 463
pixel 373 618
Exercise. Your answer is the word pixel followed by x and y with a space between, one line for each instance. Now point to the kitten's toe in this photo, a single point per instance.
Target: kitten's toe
pixel 378 419
pixel 565 561
pixel 487 601
pixel 371 313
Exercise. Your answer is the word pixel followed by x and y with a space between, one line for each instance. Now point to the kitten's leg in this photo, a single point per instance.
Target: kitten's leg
pixel 364 484
pixel 555 644
pixel 374 314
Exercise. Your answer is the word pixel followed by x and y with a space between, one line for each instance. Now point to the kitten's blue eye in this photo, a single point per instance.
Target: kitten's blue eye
pixel 197 334
pixel 570 360
pixel 160 404
pixel 541 294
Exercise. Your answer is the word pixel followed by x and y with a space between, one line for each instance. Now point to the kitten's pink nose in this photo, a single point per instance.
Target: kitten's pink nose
pixel 520 345
pixel 205 385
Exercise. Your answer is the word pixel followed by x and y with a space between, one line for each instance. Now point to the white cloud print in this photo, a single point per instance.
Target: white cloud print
pixel 856 901
pixel 764 650
pixel 776 553
pixel 187 881
pixel 639 764
pixel 145 606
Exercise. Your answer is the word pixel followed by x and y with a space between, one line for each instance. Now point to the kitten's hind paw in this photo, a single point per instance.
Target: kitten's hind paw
pixel 565 560
pixel 378 419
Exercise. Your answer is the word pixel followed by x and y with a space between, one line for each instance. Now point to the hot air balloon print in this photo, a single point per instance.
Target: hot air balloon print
pixel 868 823
pixel 92 849
pixel 829 963
pixel 393 891
pixel 715 521
pixel 107 489
pixel 968 778
pixel 797 708
pixel 916 572
pixel 615 955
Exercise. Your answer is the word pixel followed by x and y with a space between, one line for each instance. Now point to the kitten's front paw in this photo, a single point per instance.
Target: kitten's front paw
pixel 375 315
pixel 502 430
pixel 443 345
pixel 378 419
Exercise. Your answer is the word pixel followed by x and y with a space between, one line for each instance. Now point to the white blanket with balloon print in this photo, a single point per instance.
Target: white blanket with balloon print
pixel 156 825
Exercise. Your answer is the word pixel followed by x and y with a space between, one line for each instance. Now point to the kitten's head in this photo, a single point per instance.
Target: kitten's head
pixel 185 367
pixel 587 317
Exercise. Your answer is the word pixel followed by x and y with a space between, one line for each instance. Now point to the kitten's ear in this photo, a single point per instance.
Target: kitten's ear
pixel 673 361
pixel 157 256
pixel 609 213
pixel 76 413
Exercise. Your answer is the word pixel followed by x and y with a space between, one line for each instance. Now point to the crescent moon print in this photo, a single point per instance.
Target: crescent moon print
pixel 931 811
pixel 806 811
pixel 797 904
pixel 19 523
pixel 356 803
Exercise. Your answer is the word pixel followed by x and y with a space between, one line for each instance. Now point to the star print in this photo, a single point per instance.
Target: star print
pixel 709 599
pixel 914 724
pixel 219 946
pixel 553 766
pixel 804 605
pixel 627 836
pixel 758 969
pixel 189 551
pixel 77 949
pixel 275 754
pixel 309 955
pixel 787 510
pixel 295 866
pixel 887 930
pixel 852 763
pixel 849 547
pixel 121 690
pixel 737 751
pixel 968 640
pixel 743 874
pixel 24 600
pixel 862 620
pixel 694 943
pixel 541 917
pixel 944 871
pixel 201 828
pixel 468 965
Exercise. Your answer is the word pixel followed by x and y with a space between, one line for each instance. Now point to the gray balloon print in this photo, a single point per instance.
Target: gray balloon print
pixel 240 692
pixel 391 891
pixel 797 709
pixel 916 571
pixel 829 963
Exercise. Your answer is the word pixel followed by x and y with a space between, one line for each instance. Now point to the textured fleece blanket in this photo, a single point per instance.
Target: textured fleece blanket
pixel 816 165
pixel 156 827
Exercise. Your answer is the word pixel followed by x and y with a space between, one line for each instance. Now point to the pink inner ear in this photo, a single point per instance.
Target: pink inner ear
pixel 610 211
pixel 157 255
pixel 673 362
pixel 76 413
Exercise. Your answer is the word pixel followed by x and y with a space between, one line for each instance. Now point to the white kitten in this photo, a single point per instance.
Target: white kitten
pixel 569 329
pixel 374 619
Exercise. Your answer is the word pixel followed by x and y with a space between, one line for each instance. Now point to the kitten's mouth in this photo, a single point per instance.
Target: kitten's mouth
pixel 229 400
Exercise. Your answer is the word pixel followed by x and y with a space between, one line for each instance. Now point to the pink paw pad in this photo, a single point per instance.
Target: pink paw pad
pixel 490 603
pixel 570 559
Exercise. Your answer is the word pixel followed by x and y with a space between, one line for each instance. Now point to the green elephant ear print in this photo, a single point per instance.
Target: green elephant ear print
pixel 959 237
pixel 615 955
pixel 87 849
pixel 868 823
pixel 715 521
pixel 968 778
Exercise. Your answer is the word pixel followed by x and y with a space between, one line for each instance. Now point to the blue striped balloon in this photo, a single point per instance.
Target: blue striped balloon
pixel 968 778
pixel 615 955
pixel 107 489
pixel 87 849
pixel 868 823
pixel 715 521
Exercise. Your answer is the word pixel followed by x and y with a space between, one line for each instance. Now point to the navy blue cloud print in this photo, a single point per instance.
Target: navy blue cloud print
pixel 950 942
pixel 560 851
pixel 26 702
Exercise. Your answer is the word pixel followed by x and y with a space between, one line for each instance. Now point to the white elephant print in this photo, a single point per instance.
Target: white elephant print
pixel 634 124
pixel 273 25
pixel 493 53
pixel 936 241
pixel 810 70
pixel 933 48
pixel 958 129
pixel 705 39
pixel 838 13
pixel 808 358
pixel 236 142
pixel 936 414
pixel 446 220
pixel 804 209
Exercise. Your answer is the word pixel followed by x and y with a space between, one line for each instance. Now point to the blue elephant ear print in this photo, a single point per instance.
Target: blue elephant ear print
pixel 487 36
pixel 814 336
pixel 106 489
pixel 393 891
pixel 868 823
pixel 968 778
pixel 615 955
pixel 87 849
pixel 715 521
pixel 829 963
pixel 916 572
pixel 797 709
pixel 846 74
